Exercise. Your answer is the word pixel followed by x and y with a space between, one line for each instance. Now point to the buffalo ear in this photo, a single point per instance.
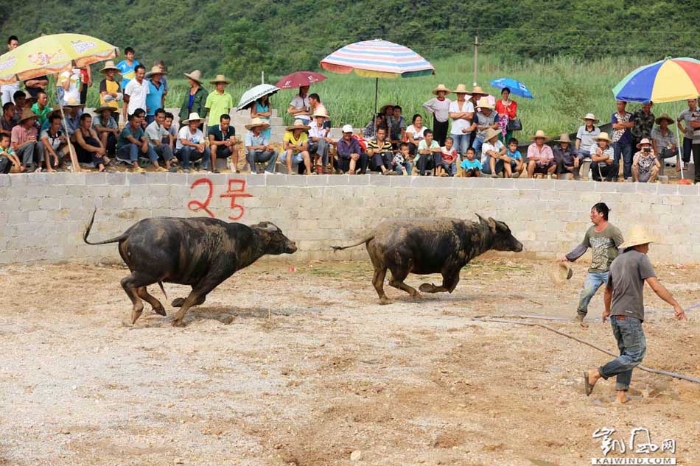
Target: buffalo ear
pixel 502 226
pixel 271 226
pixel 482 219
pixel 492 225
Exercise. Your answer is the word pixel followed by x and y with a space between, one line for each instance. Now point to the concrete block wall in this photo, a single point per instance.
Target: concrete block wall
pixel 42 216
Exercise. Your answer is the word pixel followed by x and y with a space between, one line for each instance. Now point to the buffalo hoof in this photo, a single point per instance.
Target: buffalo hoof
pixel 417 296
pixel 178 302
pixel 178 323
pixel 135 316
pixel 160 311
pixel 427 288
pixel 384 301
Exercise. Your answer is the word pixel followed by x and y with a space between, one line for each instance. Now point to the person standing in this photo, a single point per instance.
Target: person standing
pixel 622 123
pixel 624 305
pixel 8 90
pixel 507 110
pixel 110 89
pixel 127 67
pixel 219 102
pixel 604 239
pixel 684 120
pixel 196 98
pixel 439 106
pixel 136 92
pixel 299 107
pixel 461 113
pixel 643 123
pixel 155 99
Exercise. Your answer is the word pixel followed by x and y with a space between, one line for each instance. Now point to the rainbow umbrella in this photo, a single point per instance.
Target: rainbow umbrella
pixel 668 80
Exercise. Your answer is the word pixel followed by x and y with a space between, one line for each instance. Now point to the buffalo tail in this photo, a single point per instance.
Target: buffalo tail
pixel 362 241
pixel 86 233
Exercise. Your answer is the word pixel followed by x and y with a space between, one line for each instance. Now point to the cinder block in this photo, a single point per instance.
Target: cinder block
pixel 38 216
pixel 95 179
pixel 37 179
pixel 176 179
pixel 688 190
pixel 666 189
pixel 339 180
pixel 49 204
pixel 18 180
pixel 115 179
pixel 75 179
pixel 258 180
pixel 358 180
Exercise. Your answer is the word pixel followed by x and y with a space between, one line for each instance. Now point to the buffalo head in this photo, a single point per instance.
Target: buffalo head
pixel 503 239
pixel 275 242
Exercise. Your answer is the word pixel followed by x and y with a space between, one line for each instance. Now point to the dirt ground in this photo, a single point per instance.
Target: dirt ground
pixel 300 365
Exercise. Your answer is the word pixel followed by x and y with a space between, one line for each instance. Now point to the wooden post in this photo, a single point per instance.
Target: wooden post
pixel 476 46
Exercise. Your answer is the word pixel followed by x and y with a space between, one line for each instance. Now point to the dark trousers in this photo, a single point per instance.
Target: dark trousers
pixel 624 151
pixel 687 147
pixel 381 159
pixel 605 172
pixel 440 131
pixel 561 168
pixel 344 164
pixel 696 161
pixel 111 144
pixel 428 162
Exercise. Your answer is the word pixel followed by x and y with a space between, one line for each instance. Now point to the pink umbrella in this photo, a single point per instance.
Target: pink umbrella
pixel 298 79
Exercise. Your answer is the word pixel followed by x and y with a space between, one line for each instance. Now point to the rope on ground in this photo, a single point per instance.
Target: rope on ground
pixel 547 327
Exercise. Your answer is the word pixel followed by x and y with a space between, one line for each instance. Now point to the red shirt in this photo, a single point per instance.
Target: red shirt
pixel 511 110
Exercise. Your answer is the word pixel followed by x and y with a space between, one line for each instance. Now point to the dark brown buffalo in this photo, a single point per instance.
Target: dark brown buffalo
pixel 200 252
pixel 431 245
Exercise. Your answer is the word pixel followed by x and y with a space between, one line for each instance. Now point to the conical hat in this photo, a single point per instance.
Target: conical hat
pixel 636 236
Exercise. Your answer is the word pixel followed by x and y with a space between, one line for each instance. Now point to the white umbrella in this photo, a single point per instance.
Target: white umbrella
pixel 253 94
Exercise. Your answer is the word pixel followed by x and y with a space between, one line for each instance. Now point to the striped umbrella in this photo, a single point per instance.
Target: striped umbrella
pixel 377 59
pixel 668 80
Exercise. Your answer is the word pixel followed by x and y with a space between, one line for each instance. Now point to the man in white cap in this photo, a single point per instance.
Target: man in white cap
pixel 350 153
pixel 624 305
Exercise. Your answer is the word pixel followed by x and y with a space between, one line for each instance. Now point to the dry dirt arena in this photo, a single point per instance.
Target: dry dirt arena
pixel 301 365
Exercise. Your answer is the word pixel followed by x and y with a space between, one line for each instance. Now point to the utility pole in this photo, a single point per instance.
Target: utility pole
pixel 476 46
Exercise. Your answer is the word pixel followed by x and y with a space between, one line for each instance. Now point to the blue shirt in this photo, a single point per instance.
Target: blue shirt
pixel 471 164
pixel 253 140
pixel 345 148
pixel 514 155
pixel 154 97
pixel 127 72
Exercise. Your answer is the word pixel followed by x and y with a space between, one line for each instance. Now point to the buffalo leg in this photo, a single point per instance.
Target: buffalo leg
pixel 131 283
pixel 178 302
pixel 152 300
pixel 397 278
pixel 378 282
pixel 197 295
pixel 449 283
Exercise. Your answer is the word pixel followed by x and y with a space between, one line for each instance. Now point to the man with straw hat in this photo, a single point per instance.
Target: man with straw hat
pixel 565 157
pixel 439 106
pixel 296 147
pixel 25 141
pixel 585 135
pixel 110 90
pixel 624 305
pixel 218 102
pixel 257 146
pixel 319 141
pixel 540 158
pixel 604 239
pixel 191 145
pixel 663 141
pixel 484 119
pixel 156 93
pixel 603 165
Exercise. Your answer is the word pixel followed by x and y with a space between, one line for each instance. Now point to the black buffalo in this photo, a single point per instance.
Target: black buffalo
pixel 431 245
pixel 200 252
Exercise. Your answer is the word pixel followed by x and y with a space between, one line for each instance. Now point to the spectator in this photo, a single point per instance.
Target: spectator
pixel 131 142
pixel 397 126
pixel 25 142
pixel 127 67
pixel 222 141
pixel 190 145
pixel 485 118
pixel 88 146
pixel 350 153
pixel 107 128
pixel 257 146
pixel 140 113
pixel 372 126
pixel 540 159
pixel 316 106
pixel 449 156
pixel 54 141
pixel 296 147
pixel 428 157
pixel 72 110
pixel 493 154
pixel 68 86
pixel 622 122
pixel 565 157
pixel 110 90
pixel 415 133
pixel 8 118
pixel 136 92
pixel 164 79
pixel 645 167
pixel 380 153
pixel 603 166
pixel 462 114
pixel 684 121
pixel 85 83
pixel 476 95
pixel 196 99
pixel 262 109
pixel 41 108
pixel 8 90
pixel 515 159
pixel 20 99
pixel 585 137
pixel 172 129
pixel 663 141
pixel 471 167
pixel 319 141
pixel 439 106
pixel 299 107
pixel 160 140
pixel 8 160
pixel 34 85
pixel 400 162
pixel 155 98
pixel 219 102
pixel 507 110
pixel 643 123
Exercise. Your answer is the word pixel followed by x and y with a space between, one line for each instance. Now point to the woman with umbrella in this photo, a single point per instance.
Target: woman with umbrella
pixel 196 99
pixel 507 109
pixel 262 108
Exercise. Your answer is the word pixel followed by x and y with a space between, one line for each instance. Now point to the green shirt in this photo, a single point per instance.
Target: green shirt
pixel 126 132
pixel 218 104
pixel 41 114
pixel 603 245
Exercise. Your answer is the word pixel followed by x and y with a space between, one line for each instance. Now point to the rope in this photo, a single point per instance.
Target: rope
pixel 610 353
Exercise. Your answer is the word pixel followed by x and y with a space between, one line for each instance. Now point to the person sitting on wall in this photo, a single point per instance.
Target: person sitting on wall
pixel 565 157
pixel 296 147
pixel 257 146
pixel 540 158
pixel 603 166
pixel 645 166
pixel 471 167
pixel 350 153
pixel 380 153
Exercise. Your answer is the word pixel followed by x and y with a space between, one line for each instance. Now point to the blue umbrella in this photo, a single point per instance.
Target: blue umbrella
pixel 516 87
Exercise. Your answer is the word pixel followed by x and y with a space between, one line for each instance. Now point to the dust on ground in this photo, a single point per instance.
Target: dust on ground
pixel 288 364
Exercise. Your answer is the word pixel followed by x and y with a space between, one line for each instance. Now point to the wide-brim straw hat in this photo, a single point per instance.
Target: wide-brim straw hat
pixel 461 89
pixel 484 103
pixel 109 65
pixel 637 235
pixel 539 134
pixel 257 122
pixel 441 88
pixel 320 113
pixel 196 75
pixel 561 272
pixel 72 102
pixel 99 110
pixel 590 116
pixel 603 137
pixel 27 114
pixel 155 70
pixel 490 133
pixel 477 90
pixel 643 141
pixel 194 116
pixel 298 124
pixel 564 137
pixel 220 78
pixel 664 116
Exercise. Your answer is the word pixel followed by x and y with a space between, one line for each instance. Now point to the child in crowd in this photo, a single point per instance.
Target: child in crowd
pixel 494 153
pixel 429 154
pixel 8 159
pixel 397 126
pixel 516 159
pixel 470 167
pixel 449 157
pixel 400 162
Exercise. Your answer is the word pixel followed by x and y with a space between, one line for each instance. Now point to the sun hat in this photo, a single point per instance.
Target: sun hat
pixel 155 70
pixel 193 116
pixel 477 90
pixel 636 236
pixel 461 89
pixel 490 133
pixel 256 122
pixel 347 129
pixel 664 116
pixel 484 103
pixel 441 88
pixel 643 141
pixel 298 124
pixel 539 134
pixel 196 75
pixel 220 78
pixel 320 113
pixel 590 116
pixel 564 137
pixel 99 110
pixel 602 137
pixel 109 65
pixel 27 114
pixel 73 102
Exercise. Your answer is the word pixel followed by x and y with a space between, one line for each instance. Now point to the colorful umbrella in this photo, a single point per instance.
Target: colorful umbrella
pixel 53 54
pixel 300 78
pixel 515 86
pixel 667 80
pixel 253 94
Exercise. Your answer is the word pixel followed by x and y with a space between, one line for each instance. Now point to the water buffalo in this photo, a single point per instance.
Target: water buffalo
pixel 200 252
pixel 430 245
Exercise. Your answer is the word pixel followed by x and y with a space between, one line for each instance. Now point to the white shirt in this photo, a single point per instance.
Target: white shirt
pixel 487 146
pixel 316 132
pixel 416 133
pixel 298 102
pixel 439 108
pixel 458 124
pixel 137 93
pixel 196 138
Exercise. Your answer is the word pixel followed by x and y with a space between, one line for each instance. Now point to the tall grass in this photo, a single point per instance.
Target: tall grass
pixel 565 89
